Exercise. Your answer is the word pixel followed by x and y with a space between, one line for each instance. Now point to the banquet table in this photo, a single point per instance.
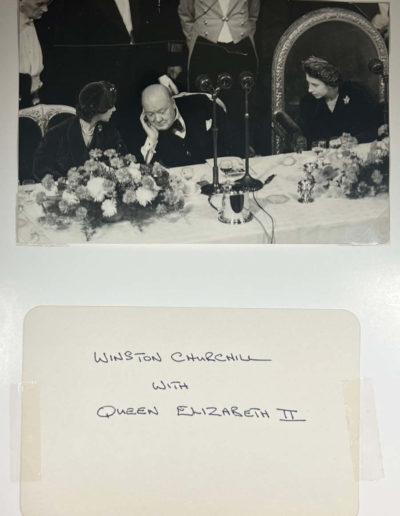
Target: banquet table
pixel 325 221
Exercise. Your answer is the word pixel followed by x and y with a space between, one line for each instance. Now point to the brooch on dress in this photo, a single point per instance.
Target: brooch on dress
pixel 346 99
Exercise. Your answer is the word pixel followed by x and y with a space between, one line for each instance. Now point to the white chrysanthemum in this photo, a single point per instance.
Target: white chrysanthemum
pixel 130 157
pixel 144 196
pixel 116 162
pixel 109 207
pixel 129 196
pixel 382 149
pixel 48 182
pixel 96 189
pixel 95 153
pixel 123 176
pixel 91 165
pixel 148 182
pixel 70 198
pixel 109 186
pixel 134 171
pixel 82 193
pixel 110 153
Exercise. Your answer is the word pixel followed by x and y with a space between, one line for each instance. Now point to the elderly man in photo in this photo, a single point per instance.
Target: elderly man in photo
pixel 30 52
pixel 177 129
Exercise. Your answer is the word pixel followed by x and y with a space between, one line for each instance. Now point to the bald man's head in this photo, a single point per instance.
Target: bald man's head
pixel 158 106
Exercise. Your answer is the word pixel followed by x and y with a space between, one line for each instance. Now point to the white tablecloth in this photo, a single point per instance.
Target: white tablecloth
pixel 325 221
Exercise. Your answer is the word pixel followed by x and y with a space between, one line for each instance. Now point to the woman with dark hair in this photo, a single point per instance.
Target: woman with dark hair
pixel 333 107
pixel 68 144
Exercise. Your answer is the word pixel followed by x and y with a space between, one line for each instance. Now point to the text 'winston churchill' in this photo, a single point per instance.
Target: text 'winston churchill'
pixel 177 356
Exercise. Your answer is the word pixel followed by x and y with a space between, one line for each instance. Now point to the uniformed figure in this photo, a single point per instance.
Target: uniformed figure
pixel 220 38
pixel 30 51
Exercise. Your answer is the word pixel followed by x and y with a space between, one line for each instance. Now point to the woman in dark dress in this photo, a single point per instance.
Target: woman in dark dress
pixel 333 107
pixel 68 144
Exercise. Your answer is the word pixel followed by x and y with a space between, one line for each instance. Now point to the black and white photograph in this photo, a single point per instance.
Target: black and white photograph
pixel 203 122
pixel 146 369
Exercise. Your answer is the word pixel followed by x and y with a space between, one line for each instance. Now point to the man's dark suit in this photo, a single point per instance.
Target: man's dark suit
pixel 88 22
pixel 196 147
pixel 25 96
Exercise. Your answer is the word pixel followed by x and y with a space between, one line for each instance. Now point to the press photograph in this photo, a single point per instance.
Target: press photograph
pixel 203 122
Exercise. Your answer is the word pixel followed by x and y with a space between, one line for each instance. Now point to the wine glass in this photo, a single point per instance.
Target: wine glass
pixel 318 146
pixel 301 144
pixel 29 186
pixel 187 173
pixel 334 142
pixel 226 166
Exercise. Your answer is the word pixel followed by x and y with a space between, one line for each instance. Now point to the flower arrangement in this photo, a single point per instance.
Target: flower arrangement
pixel 109 188
pixel 343 173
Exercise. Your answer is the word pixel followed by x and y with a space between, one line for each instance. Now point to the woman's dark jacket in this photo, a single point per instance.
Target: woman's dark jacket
pixel 63 147
pixel 356 112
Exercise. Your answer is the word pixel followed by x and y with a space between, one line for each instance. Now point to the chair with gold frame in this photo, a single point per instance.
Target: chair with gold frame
pixel 344 38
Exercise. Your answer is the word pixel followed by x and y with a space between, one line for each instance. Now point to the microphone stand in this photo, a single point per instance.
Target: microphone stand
pixel 203 83
pixel 247 182
pixel 214 187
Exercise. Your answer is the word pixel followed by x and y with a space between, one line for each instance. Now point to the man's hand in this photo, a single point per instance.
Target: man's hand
pixel 169 84
pixel 151 131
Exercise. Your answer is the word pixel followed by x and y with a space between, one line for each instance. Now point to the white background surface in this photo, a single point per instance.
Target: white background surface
pixel 365 280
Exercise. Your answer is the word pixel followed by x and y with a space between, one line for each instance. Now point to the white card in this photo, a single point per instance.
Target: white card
pixel 162 411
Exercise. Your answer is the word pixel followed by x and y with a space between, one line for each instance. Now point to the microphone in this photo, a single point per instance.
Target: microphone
pixel 246 80
pixel 287 122
pixel 203 83
pixel 376 66
pixel 224 81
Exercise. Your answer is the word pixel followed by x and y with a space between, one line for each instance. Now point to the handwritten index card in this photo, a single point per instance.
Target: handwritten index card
pixel 161 411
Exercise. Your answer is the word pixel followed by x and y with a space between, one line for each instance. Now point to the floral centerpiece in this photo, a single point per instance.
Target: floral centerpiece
pixel 109 188
pixel 341 172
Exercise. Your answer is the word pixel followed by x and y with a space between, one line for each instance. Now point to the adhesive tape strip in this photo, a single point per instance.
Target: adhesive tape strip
pixel 30 465
pixel 371 464
pixel 362 422
pixel 351 392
